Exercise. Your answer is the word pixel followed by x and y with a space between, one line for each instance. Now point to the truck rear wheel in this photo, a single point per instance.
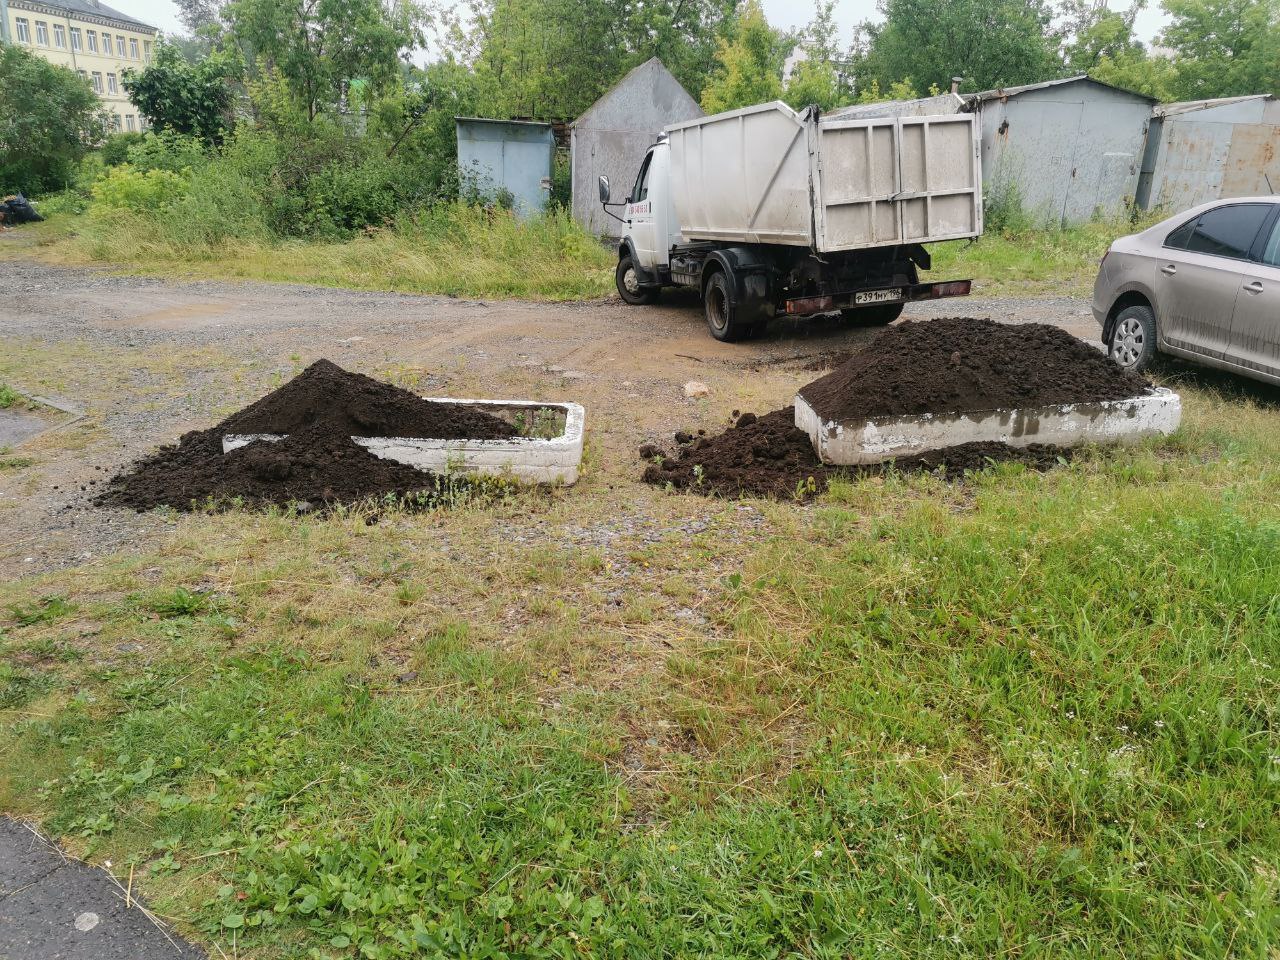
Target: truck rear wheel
pixel 880 316
pixel 717 304
pixel 627 279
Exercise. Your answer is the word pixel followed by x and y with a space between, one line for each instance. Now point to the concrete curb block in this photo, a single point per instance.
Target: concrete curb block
pixel 876 440
pixel 529 459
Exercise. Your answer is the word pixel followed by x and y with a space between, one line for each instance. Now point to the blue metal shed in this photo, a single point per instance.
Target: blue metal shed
pixel 507 155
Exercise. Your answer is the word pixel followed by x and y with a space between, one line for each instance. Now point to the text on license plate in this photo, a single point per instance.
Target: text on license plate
pixel 878 296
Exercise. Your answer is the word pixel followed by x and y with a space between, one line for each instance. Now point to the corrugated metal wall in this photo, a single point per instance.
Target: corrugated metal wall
pixel 611 138
pixel 1201 153
pixel 496 155
pixel 1070 152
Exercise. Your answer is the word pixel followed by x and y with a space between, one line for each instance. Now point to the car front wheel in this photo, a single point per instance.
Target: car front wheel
pixel 1133 338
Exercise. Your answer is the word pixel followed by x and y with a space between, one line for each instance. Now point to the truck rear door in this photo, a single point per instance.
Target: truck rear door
pixel 892 180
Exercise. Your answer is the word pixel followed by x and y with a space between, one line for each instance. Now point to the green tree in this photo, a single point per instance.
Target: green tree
pixel 988 43
pixel 193 99
pixel 49 118
pixel 1155 76
pixel 818 76
pixel 316 47
pixel 748 63
pixel 1224 48
pixel 551 59
pixel 1092 32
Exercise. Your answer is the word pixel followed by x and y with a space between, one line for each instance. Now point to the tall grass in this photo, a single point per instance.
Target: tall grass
pixel 451 249
pixel 1030 260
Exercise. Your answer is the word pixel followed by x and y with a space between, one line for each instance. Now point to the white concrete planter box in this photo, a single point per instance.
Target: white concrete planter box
pixel 530 459
pixel 883 438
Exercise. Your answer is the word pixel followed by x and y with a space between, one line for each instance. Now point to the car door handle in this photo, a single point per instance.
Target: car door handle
pixel 1254 287
pixel 1169 269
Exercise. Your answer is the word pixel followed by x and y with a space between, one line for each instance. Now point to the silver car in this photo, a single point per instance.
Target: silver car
pixel 1203 285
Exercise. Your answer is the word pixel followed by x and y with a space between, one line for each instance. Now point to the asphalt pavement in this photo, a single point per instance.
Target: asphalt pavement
pixel 53 907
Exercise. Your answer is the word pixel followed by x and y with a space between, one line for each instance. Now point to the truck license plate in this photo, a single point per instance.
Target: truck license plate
pixel 878 296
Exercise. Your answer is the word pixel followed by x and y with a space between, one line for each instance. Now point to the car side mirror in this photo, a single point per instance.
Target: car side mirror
pixel 604 189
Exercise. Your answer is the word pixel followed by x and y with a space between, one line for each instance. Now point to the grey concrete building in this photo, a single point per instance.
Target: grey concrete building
pixel 611 137
pixel 1068 149
pixel 1204 150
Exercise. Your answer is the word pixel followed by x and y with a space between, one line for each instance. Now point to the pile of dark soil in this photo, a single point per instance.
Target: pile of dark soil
pixel 317 464
pixel 961 363
pixel 768 456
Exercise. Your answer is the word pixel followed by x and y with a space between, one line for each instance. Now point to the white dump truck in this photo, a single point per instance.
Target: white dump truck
pixel 767 211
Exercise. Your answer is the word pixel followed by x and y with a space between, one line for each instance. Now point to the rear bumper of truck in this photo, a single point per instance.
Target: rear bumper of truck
pixel 856 299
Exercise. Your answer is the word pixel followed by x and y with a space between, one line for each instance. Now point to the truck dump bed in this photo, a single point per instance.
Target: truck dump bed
pixel 768 174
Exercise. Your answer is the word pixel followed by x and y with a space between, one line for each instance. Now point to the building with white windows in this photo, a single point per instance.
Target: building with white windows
pixel 96 41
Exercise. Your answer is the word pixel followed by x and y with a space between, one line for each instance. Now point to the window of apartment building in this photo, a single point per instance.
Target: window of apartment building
pixel 24 29
pixel 111 83
pixel 106 43
pixel 146 49
pixel 93 41
pixel 128 123
pixel 97 82
pixel 77 39
pixel 83 75
pixel 42 33
pixel 133 49
pixel 60 36
pixel 119 45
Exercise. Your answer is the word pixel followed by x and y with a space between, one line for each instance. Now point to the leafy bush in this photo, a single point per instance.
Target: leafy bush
pixel 116 150
pixel 47 117
pixel 140 191
pixel 167 151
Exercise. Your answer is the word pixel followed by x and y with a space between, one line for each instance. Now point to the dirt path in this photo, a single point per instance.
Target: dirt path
pixel 148 359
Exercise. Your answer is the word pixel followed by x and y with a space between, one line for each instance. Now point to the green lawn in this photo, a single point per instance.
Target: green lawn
pixel 1025 714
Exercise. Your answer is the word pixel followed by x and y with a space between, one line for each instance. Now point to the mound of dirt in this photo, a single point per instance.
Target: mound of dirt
pixel 961 363
pixel 353 405
pixel 317 463
pixel 768 456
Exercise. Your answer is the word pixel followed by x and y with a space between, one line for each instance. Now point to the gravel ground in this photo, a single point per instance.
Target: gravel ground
pixel 146 359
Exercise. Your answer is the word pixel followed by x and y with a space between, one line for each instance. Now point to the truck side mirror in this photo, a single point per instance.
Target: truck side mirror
pixel 604 189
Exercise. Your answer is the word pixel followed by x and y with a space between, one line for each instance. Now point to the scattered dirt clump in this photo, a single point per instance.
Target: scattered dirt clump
pixel 763 456
pixel 316 464
pixel 962 363
pixel 768 456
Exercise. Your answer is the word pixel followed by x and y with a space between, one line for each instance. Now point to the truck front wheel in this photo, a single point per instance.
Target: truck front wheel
pixel 717 303
pixel 629 288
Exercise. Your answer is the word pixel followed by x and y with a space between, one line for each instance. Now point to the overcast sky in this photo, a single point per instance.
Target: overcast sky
pixel 849 13
pixel 781 13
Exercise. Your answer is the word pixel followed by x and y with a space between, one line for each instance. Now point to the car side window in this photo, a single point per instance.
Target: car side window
pixel 1179 238
pixel 641 191
pixel 1271 252
pixel 1229 231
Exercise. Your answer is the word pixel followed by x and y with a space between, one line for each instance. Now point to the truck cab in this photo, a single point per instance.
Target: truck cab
pixel 770 231
pixel 652 230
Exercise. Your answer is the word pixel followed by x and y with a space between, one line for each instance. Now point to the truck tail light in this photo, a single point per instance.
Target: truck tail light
pixel 807 305
pixel 953 288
